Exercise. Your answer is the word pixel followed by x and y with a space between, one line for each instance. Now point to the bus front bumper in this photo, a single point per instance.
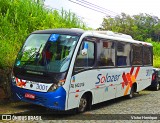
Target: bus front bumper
pixel 53 100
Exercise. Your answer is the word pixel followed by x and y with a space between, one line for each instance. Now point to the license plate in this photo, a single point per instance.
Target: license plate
pixel 30 96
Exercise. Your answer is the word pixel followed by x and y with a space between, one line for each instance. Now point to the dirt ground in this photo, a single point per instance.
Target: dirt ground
pixel 5 90
pixel 7 107
pixel 2 93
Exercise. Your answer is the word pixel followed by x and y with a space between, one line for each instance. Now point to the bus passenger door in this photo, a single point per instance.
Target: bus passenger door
pixel 82 78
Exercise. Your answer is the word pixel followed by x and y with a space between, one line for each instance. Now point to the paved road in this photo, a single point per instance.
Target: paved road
pixel 146 104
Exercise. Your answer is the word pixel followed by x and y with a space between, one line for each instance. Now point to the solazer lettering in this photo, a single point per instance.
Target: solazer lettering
pixel 107 78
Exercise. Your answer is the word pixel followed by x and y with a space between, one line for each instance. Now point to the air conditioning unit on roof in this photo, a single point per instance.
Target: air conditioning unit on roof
pixel 123 35
pixel 77 29
pixel 110 33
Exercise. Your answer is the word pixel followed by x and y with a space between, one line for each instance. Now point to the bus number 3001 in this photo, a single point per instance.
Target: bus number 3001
pixel 41 87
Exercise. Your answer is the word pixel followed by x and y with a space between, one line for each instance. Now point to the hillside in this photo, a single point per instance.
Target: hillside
pixel 18 18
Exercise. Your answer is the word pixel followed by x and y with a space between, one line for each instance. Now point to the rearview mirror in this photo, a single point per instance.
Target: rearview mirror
pixel 85 48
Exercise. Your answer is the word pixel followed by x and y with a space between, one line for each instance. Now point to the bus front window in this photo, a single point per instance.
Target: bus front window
pixel 47 52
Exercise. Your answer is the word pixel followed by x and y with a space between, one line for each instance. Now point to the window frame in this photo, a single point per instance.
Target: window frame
pixel 95 64
pixel 104 67
pixel 95 54
pixel 130 44
pixel 151 51
pixel 137 44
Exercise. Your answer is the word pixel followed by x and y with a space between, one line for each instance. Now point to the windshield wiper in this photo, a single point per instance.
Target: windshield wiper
pixel 46 63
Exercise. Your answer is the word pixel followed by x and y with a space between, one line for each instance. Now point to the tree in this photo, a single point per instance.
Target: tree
pixel 140 27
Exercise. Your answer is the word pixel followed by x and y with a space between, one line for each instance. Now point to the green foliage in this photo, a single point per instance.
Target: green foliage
pixel 140 26
pixel 156 53
pixel 18 18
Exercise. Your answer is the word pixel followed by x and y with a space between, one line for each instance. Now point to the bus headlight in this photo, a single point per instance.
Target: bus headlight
pixel 56 86
pixel 13 79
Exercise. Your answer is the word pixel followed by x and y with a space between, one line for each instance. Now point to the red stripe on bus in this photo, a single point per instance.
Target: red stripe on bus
pixel 138 68
pixel 132 69
pixel 124 77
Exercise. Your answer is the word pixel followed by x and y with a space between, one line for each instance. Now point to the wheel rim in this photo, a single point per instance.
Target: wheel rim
pixel 131 93
pixel 83 104
pixel 157 86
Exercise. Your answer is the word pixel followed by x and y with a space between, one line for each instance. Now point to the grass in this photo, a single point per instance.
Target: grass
pixel 18 18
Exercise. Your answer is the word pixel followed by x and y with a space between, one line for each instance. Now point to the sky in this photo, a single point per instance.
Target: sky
pixel 114 7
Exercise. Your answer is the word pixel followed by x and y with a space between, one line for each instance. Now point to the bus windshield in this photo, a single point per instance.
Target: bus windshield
pixel 47 52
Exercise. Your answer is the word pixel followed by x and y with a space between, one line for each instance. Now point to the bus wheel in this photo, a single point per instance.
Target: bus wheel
pixel 83 104
pixel 131 94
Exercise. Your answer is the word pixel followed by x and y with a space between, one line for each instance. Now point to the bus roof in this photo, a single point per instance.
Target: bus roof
pixel 77 32
pixel 101 34
pixel 118 37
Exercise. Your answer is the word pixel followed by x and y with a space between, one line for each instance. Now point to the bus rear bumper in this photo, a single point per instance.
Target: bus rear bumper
pixel 53 100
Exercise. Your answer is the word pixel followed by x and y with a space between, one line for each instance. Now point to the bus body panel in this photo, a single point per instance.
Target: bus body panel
pixel 145 77
pixel 106 84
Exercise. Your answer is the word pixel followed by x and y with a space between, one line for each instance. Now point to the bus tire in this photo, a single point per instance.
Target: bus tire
pixel 85 102
pixel 131 94
pixel 82 104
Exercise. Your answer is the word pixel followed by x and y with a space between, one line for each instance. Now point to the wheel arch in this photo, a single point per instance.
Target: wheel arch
pixel 135 86
pixel 89 95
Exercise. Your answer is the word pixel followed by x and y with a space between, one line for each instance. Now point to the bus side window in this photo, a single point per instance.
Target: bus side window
pixel 123 54
pixel 106 53
pixel 137 52
pixel 85 57
pixel 147 55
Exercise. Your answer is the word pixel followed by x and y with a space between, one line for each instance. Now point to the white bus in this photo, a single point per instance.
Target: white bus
pixel 72 68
